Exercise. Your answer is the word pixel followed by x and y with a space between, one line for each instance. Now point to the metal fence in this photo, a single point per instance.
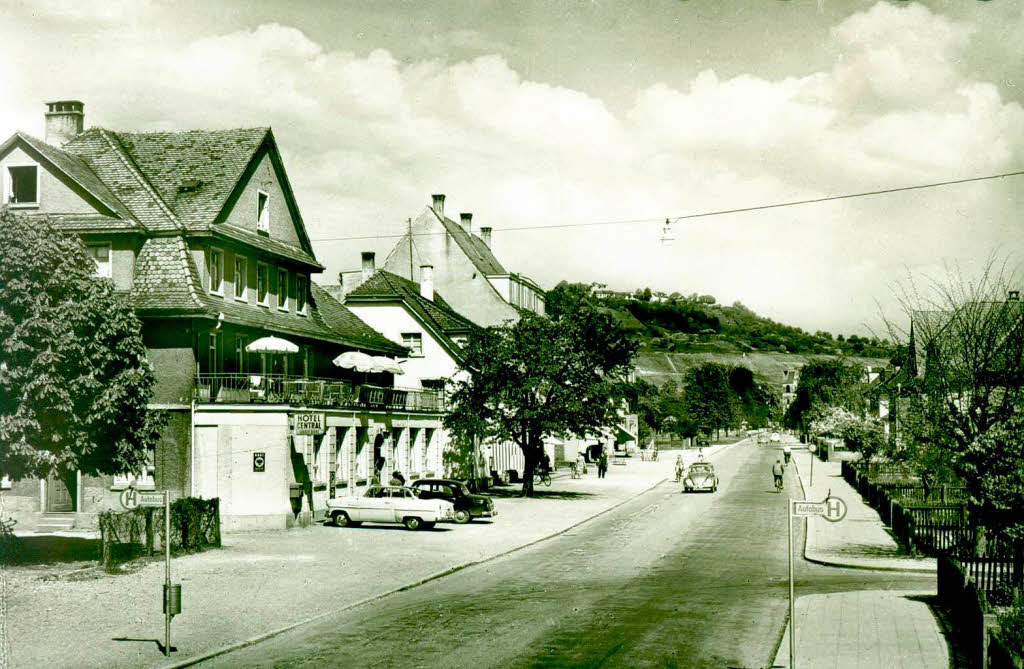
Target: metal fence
pixel 312 392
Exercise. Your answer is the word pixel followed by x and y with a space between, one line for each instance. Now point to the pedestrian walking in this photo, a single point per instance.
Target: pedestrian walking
pixel 581 464
pixel 679 468
pixel 602 465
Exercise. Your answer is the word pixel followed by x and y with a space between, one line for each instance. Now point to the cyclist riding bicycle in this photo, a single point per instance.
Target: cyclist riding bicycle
pixel 777 471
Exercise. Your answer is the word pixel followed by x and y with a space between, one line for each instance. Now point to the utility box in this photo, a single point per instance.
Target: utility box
pixel 172 598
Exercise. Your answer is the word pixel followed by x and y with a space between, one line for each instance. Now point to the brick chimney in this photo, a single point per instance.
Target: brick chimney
pixel 427 282
pixel 369 260
pixel 466 219
pixel 64 121
pixel 485 234
pixel 438 204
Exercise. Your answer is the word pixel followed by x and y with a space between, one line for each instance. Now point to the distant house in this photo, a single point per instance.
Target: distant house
pixel 202 232
pixel 465 268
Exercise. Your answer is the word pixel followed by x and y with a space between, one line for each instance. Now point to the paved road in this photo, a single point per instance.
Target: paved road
pixel 666 580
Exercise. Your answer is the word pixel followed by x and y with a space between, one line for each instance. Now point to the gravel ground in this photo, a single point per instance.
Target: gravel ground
pixel 262 581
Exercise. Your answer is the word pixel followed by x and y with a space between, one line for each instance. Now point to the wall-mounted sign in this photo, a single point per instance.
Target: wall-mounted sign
pixel 310 423
pixel 259 461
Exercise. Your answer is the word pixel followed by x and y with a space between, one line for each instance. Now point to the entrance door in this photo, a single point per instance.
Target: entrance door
pixel 58 497
pixel 204 463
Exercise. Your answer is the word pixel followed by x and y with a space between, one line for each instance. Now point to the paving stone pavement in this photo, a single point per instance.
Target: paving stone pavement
pixel 867 629
pixel 860 540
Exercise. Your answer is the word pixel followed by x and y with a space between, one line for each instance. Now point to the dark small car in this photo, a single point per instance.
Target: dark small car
pixel 467 505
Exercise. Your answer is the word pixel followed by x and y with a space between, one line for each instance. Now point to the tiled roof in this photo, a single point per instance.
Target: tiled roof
pixel 266 243
pixel 165 278
pixel 436 311
pixel 474 247
pixel 91 223
pixel 80 171
pixel 104 154
pixel 217 158
pixel 343 321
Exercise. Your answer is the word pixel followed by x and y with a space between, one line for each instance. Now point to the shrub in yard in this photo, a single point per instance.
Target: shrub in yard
pixel 1012 624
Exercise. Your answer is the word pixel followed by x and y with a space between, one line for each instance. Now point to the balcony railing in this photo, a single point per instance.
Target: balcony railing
pixel 317 392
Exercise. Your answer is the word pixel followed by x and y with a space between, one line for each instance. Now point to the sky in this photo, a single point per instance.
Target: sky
pixel 552 113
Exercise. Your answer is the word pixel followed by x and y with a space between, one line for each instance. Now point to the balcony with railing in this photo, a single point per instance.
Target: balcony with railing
pixel 312 392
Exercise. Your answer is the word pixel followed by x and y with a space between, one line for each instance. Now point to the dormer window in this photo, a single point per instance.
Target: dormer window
pixel 21 187
pixel 262 212
pixel 101 256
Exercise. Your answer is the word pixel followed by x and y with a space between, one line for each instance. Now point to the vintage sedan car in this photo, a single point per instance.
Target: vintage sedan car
pixel 467 505
pixel 700 476
pixel 389 504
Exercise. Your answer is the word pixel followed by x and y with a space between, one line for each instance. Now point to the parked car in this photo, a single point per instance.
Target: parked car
pixel 467 505
pixel 389 504
pixel 700 476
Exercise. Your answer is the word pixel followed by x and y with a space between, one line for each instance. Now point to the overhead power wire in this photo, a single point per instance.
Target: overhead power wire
pixel 706 214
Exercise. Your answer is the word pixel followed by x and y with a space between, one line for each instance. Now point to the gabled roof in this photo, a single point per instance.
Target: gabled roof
pixel 217 158
pixel 475 249
pixel 341 320
pixel 384 284
pixel 77 169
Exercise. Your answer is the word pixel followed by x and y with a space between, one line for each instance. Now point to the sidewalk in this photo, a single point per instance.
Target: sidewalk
pixel 866 630
pixel 265 581
pixel 860 540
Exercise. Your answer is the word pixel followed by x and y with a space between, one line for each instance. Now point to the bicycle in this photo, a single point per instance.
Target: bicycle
pixel 542 476
pixel 574 471
pixel 778 484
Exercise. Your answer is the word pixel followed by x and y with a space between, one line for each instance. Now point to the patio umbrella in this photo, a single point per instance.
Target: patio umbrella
pixel 360 362
pixel 272 345
pixel 384 364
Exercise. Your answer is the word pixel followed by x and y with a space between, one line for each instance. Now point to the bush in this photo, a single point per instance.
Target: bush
pixel 1012 626
pixel 195 526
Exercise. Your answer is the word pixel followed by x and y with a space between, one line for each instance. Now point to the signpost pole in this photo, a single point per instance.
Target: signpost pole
pixel 167 580
pixel 792 616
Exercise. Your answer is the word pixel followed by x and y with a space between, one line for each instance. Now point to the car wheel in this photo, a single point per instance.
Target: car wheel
pixel 462 516
pixel 413 523
pixel 340 519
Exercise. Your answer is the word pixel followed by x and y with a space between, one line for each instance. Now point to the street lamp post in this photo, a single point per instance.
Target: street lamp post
pixel 811 448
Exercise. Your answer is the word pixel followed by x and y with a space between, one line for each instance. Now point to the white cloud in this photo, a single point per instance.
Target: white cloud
pixel 367 139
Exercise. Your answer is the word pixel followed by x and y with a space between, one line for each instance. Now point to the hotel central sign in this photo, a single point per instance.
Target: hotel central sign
pixel 309 423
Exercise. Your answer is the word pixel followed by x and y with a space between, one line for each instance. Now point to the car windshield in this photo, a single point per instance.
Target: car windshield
pixel 701 469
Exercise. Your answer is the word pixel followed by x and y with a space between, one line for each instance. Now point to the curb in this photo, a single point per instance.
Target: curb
pixel 846 565
pixel 224 650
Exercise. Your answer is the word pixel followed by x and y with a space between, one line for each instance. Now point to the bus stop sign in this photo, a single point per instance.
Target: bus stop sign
pixel 835 509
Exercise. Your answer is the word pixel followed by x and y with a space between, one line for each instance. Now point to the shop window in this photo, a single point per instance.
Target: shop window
pixel 100 254
pixel 22 185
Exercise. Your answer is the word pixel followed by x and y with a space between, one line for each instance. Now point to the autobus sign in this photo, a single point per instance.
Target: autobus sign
pixel 133 499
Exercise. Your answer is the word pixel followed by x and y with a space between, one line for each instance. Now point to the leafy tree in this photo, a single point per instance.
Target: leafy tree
pixel 709 399
pixel 826 382
pixel 74 380
pixel 963 375
pixel 645 397
pixel 542 377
